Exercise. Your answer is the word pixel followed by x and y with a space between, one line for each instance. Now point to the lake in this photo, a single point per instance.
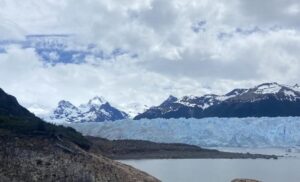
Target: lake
pixel 220 170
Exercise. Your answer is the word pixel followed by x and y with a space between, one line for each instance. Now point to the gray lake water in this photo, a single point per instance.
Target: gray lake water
pixel 285 169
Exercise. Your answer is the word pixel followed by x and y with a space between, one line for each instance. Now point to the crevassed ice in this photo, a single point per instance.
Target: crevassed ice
pixel 207 132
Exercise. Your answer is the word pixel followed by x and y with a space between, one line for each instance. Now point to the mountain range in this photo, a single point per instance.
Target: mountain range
pixel 267 99
pixel 264 100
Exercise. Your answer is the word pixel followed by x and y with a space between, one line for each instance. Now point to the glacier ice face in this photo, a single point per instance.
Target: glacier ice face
pixel 207 132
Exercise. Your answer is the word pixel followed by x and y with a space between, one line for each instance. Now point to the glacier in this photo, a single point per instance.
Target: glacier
pixel 207 132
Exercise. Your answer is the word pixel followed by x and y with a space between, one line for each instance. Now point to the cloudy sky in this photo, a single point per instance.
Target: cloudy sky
pixel 134 51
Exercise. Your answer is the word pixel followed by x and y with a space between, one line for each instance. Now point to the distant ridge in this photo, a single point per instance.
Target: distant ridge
pixel 267 99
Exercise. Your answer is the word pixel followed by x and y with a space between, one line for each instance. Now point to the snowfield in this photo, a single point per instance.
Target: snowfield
pixel 207 132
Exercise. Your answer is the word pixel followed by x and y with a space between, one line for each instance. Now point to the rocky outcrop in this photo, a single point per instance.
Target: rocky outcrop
pixel 244 180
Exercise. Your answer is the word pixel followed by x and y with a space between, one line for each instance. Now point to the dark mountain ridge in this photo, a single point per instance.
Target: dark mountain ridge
pixel 9 106
pixel 265 100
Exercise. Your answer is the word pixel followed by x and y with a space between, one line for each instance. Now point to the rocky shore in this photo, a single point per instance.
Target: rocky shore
pixel 138 149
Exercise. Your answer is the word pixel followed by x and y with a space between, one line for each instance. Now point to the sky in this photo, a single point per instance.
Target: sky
pixel 136 53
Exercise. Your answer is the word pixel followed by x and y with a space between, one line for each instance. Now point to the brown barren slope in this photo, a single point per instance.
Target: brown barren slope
pixel 24 158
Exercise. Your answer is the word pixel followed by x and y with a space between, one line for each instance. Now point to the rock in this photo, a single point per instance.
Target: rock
pixel 244 180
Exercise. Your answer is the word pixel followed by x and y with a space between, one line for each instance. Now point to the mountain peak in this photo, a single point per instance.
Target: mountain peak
pixel 64 103
pixel 97 101
pixel 269 84
pixel 268 88
pixel 172 98
pixel 296 86
pixel 236 92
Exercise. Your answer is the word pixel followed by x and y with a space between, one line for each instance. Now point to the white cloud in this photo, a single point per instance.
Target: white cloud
pixel 241 43
pixel 121 81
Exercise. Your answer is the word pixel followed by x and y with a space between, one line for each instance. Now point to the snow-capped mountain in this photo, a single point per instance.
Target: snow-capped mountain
pixel 96 110
pixel 268 99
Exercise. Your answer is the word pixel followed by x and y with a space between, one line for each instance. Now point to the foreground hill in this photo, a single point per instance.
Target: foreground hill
pixel 265 100
pixel 32 150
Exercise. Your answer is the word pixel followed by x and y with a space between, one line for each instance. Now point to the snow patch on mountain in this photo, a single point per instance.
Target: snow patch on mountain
pixel 289 93
pixel 207 132
pixel 268 88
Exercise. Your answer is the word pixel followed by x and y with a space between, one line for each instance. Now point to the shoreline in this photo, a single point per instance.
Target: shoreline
pixel 139 149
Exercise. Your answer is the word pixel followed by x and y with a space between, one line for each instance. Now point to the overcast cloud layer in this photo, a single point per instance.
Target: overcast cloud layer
pixel 179 47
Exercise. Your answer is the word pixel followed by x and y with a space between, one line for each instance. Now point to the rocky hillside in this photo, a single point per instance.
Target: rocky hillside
pixel 9 106
pixel 40 158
